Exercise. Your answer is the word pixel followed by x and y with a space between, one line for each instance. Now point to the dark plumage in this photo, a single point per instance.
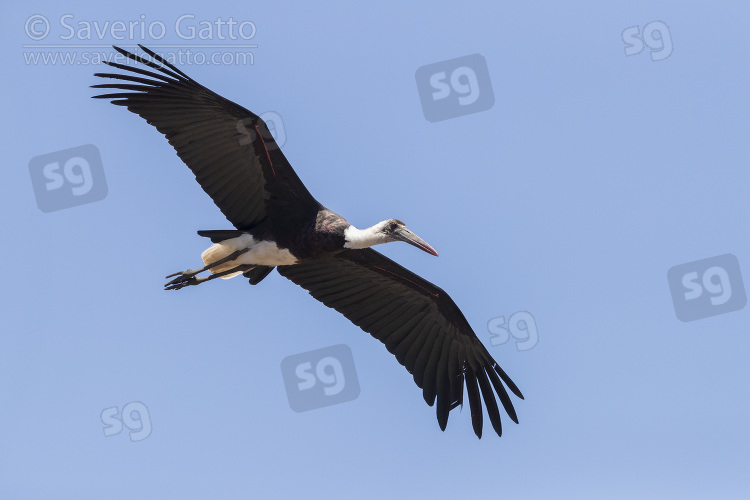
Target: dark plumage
pixel 279 224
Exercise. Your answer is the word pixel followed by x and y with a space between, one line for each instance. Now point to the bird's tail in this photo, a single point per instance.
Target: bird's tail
pixel 217 235
pixel 255 275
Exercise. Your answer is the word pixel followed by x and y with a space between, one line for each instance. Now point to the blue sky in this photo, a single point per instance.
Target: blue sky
pixel 570 197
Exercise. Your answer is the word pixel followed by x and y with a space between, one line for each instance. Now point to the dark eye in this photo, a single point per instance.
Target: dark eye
pixel 393 226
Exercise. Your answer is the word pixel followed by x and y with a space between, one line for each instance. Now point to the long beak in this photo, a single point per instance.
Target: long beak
pixel 412 239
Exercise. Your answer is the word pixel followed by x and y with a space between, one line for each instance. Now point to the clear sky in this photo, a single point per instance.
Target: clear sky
pixel 585 178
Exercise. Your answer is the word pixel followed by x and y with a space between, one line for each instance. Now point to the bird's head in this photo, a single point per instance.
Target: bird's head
pixel 385 232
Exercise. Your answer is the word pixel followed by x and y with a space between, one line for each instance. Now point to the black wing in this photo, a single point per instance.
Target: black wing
pixel 229 149
pixel 418 322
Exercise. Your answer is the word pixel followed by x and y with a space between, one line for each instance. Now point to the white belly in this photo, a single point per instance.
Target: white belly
pixel 261 253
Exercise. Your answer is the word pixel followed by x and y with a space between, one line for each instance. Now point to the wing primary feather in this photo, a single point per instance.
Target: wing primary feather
pixel 151 64
pixel 508 381
pixel 120 76
pixel 429 391
pixel 502 394
pixel 461 372
pixel 455 376
pixel 475 402
pixel 444 386
pixel 134 69
pixel 162 60
pixel 489 400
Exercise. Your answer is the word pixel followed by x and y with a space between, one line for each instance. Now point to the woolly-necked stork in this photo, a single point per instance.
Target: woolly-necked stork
pixel 279 224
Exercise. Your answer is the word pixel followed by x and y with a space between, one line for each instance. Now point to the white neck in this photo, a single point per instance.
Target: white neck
pixel 364 238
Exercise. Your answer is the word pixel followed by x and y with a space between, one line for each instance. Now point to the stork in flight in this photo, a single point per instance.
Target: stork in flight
pixel 279 224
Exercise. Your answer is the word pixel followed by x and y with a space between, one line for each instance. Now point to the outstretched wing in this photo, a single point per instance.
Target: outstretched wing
pixel 229 149
pixel 418 323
